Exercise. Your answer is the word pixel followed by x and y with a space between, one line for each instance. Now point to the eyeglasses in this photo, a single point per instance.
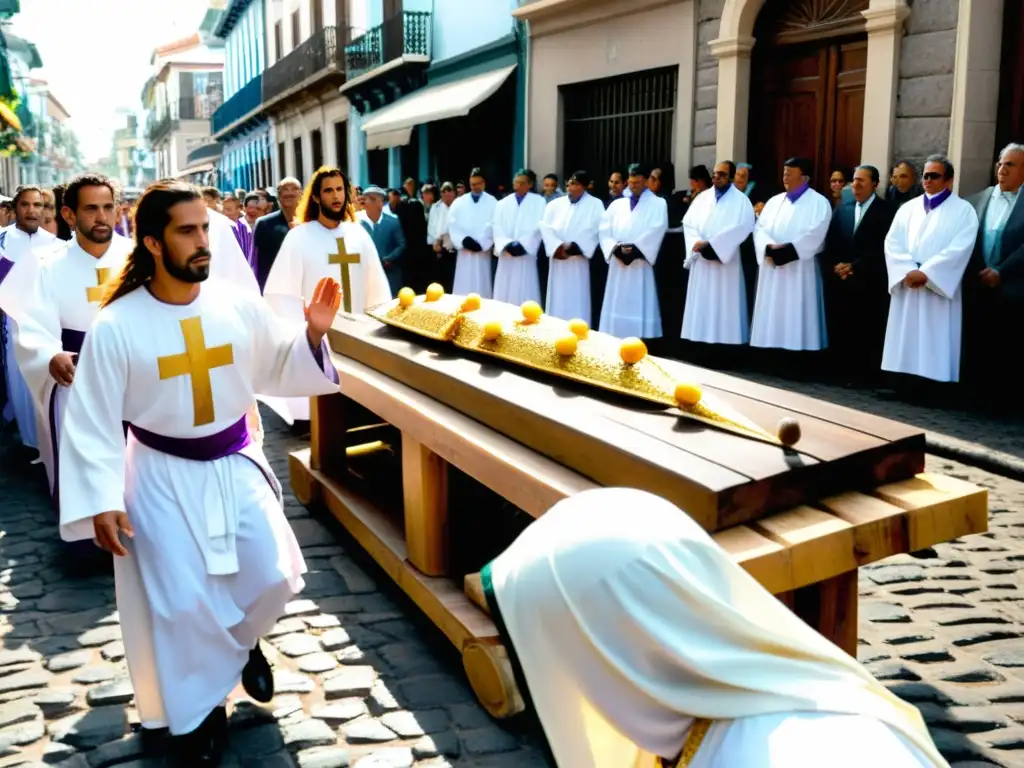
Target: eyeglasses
pixel 932 176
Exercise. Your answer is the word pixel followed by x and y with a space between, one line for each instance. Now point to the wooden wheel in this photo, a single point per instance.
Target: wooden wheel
pixel 490 675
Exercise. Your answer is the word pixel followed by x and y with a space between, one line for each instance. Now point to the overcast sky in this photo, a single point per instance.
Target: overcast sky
pixel 96 55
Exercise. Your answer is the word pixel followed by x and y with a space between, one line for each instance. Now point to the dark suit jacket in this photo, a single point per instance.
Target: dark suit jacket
pixel 864 249
pixel 267 236
pixel 1009 261
pixel 387 236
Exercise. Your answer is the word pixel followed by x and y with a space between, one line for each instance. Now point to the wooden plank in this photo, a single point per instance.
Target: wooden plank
pixel 525 478
pixel 830 607
pixel 939 508
pixel 425 493
pixel 326 422
pixel 820 545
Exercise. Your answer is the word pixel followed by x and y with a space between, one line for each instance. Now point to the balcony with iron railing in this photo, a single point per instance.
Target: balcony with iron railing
pixel 197 107
pixel 318 60
pixel 403 37
pixel 245 101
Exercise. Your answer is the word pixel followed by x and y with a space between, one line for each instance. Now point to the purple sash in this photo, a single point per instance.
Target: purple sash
pixel 5 266
pixel 216 446
pixel 72 341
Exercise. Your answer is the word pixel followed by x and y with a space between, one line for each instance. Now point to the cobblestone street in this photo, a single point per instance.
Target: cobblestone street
pixel 364 681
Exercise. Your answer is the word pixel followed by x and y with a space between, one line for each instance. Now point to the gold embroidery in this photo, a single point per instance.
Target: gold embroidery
pixel 344 259
pixel 196 362
pixel 95 293
pixel 694 738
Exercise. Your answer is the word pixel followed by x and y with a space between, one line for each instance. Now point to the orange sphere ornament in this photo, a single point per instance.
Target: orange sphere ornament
pixel 406 297
pixel 434 292
pixel 531 311
pixel 688 394
pixel 471 302
pixel 632 350
pixel 566 345
pixel 579 327
pixel 492 330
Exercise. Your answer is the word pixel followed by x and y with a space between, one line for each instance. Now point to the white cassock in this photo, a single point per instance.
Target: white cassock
pixel 227 260
pixel 923 333
pixel 569 279
pixel 213 561
pixel 630 305
pixel 469 217
pixel 630 622
pixel 516 279
pixel 24 252
pixel 789 310
pixel 69 288
pixel 437 225
pixel 716 295
pixel 305 257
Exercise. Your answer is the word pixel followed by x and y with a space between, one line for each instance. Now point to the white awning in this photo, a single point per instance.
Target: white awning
pixel 198 168
pixel 392 126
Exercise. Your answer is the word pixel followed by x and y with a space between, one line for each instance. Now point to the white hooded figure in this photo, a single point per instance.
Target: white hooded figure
pixel 642 643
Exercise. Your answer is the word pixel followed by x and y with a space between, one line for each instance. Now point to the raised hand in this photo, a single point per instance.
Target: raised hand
pixel 320 312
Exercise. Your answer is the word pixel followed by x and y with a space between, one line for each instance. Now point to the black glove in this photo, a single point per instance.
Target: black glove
pixel 471 245
pixel 515 249
pixel 708 253
pixel 571 249
pixel 627 257
pixel 783 256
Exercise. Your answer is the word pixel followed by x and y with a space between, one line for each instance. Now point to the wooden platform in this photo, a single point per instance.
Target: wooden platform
pixel 719 478
pixel 807 555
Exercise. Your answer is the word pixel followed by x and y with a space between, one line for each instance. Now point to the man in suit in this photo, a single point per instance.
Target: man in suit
pixel 854 273
pixel 387 235
pixel 994 281
pixel 270 230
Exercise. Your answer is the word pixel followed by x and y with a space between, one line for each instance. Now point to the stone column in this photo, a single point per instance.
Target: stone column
pixel 885 29
pixel 733 111
pixel 972 131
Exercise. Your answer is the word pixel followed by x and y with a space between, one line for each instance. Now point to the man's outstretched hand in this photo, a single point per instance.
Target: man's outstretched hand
pixel 320 312
pixel 107 526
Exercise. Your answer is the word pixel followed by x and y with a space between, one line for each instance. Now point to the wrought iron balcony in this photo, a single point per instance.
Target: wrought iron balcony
pixel 198 107
pixel 246 100
pixel 317 58
pixel 404 34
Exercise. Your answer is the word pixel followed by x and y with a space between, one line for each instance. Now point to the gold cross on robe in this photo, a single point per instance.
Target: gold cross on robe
pixel 197 361
pixel 94 294
pixel 345 259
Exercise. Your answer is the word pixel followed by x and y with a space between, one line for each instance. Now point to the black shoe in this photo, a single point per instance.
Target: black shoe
pixel 204 747
pixel 258 677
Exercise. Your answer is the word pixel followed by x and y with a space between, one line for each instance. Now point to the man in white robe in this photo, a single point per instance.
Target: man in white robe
pixel 470 224
pixel 23 241
pixel 642 643
pixel 571 228
pixel 229 262
pixel 68 290
pixel 329 243
pixel 517 240
pixel 439 238
pixel 927 250
pixel 631 232
pixel 205 560
pixel 789 311
pixel 716 224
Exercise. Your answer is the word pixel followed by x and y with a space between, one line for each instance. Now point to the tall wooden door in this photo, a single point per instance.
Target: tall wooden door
pixel 808 74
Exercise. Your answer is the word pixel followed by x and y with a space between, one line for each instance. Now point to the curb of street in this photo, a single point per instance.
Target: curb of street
pixel 997 462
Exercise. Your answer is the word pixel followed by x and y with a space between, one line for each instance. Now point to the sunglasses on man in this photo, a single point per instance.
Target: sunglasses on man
pixel 932 176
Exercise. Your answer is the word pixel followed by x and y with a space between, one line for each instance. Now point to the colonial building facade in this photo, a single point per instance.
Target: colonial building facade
pixel 839 81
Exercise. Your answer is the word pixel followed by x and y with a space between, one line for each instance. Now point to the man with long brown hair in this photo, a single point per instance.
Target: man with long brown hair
pixel 328 243
pixel 205 560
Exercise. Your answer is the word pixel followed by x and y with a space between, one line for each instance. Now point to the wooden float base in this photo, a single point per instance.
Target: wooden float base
pixel 807 556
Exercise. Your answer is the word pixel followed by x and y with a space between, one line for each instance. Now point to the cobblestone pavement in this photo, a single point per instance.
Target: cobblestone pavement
pixel 364 681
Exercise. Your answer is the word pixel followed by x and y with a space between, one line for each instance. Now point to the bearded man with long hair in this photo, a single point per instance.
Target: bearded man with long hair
pixel 328 242
pixel 157 466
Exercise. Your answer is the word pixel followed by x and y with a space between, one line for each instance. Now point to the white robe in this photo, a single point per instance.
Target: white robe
pixel 227 260
pixel 716 294
pixel 569 279
pixel 437 225
pixel 475 219
pixel 213 560
pixel 304 259
pixel 18 246
pixel 68 294
pixel 629 621
pixel 516 279
pixel 630 305
pixel 789 311
pixel 923 333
